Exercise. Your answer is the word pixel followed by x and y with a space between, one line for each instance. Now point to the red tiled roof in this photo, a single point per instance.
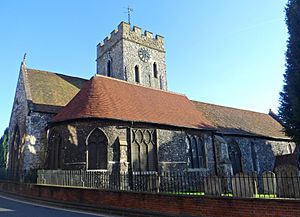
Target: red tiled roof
pixel 242 122
pixel 103 97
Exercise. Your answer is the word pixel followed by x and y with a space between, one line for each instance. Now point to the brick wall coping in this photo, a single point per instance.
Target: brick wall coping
pixel 149 204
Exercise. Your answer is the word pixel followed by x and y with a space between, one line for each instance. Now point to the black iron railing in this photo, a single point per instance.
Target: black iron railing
pixel 266 185
pixel 24 176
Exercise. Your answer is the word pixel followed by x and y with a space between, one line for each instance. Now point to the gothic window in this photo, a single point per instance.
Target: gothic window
pixel 137 74
pixel 55 150
pixel 290 149
pixel 196 152
pixel 15 151
pixel 97 150
pixel 108 68
pixel 155 73
pixel 143 150
pixel 253 156
pixel 235 157
pixel 160 82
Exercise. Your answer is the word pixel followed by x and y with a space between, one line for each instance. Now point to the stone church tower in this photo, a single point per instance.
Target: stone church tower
pixel 133 56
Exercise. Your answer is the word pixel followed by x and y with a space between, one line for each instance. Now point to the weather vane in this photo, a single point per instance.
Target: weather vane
pixel 129 11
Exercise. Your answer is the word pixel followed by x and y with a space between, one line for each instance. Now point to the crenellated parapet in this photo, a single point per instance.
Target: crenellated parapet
pixel 135 34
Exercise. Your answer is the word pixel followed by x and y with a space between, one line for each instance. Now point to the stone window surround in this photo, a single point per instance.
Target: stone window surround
pixel 205 160
pixel 109 68
pixel 86 143
pixel 155 70
pixel 147 155
pixel 137 74
pixel 235 144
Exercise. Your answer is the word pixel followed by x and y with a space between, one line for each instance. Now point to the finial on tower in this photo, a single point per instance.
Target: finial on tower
pixel 129 11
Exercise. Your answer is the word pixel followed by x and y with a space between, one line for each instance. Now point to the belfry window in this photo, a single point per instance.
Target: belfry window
pixel 108 68
pixel 137 74
pixel 155 73
pixel 97 150
pixel 196 152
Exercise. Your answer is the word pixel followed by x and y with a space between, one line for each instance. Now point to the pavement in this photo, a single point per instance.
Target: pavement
pixel 12 207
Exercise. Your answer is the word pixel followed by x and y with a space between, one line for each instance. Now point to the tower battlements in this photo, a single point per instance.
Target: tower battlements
pixel 135 34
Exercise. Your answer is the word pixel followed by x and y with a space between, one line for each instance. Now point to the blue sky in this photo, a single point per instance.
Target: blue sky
pixel 223 52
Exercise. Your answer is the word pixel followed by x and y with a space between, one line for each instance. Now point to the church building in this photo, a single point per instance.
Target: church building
pixel 124 119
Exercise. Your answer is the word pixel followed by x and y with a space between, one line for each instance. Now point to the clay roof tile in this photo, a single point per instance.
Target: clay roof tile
pixel 104 97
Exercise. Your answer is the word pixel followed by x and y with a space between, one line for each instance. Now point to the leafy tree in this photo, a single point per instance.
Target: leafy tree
pixel 3 148
pixel 289 110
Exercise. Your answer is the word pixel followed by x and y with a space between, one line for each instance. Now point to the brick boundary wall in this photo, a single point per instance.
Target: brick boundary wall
pixel 146 204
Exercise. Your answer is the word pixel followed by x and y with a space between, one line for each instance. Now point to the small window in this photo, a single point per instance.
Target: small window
pixel 137 74
pixel 155 70
pixel 108 68
pixel 290 148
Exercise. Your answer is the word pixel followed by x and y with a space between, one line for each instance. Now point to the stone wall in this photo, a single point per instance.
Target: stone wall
pixel 18 120
pixel 122 47
pixel 172 148
pixel 265 152
pixel 74 136
pixel 35 139
pixel 32 127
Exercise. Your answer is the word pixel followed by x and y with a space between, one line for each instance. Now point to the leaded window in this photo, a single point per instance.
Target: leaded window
pixel 55 158
pixel 253 156
pixel 97 150
pixel 196 152
pixel 235 157
pixel 143 150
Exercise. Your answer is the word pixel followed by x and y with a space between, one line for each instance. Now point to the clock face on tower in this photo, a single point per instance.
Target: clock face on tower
pixel 144 54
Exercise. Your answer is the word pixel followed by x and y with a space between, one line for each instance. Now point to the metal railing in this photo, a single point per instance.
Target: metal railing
pixel 24 176
pixel 266 185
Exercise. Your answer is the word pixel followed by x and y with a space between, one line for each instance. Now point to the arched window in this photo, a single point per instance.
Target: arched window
pixel 155 73
pixel 143 150
pixel 15 152
pixel 137 74
pixel 235 157
pixel 97 150
pixel 254 158
pixel 196 152
pixel 55 149
pixel 290 148
pixel 108 68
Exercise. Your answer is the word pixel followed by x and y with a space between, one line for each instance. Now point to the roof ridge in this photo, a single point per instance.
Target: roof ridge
pixel 229 107
pixel 57 73
pixel 139 85
pixel 27 88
